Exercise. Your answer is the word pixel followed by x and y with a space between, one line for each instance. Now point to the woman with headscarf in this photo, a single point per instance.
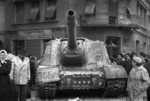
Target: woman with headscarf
pixel 138 81
pixel 7 93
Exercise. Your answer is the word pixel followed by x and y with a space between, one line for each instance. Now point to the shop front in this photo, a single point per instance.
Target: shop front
pixel 33 41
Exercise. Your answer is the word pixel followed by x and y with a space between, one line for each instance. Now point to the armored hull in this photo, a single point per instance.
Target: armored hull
pixel 78 64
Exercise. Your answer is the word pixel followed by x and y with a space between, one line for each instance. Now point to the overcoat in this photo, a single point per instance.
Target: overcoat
pixel 32 72
pixel 20 71
pixel 7 91
pixel 138 83
pixel 128 66
pixel 147 66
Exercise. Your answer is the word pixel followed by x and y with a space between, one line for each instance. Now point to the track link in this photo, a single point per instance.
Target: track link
pixel 47 91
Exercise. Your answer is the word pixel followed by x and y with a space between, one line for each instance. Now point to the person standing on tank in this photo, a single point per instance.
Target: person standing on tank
pixel 21 74
pixel 138 81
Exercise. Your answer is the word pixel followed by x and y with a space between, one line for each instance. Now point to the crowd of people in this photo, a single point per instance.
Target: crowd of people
pixel 138 70
pixel 17 74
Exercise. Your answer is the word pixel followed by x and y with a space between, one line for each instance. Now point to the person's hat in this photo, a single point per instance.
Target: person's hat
pixel 137 59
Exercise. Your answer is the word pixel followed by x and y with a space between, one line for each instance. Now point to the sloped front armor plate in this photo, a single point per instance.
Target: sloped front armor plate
pixel 96 54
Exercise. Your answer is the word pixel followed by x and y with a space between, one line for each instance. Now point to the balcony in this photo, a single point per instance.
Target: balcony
pixel 104 20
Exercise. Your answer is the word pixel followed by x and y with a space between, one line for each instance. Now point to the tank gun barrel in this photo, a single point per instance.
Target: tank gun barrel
pixel 71 23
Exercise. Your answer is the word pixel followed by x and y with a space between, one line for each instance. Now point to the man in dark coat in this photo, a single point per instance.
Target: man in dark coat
pixel 7 93
pixel 128 64
pixel 32 71
pixel 147 66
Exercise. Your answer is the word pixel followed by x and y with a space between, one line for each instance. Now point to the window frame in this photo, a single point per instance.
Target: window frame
pixel 15 5
pixel 34 17
pixel 54 8
pixel 90 7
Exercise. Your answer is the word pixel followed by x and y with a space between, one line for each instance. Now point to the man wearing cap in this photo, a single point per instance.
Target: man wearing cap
pixel 138 81
pixel 21 74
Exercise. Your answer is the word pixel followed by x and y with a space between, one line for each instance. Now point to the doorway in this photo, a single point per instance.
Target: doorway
pixel 17 45
pixel 113 46
pixel 45 41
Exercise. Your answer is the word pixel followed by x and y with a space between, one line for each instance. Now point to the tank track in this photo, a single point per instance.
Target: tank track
pixel 47 91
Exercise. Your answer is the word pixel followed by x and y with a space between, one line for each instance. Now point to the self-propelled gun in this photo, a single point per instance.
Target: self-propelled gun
pixel 78 64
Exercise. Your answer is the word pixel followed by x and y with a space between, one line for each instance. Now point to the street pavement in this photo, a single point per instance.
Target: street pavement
pixel 34 97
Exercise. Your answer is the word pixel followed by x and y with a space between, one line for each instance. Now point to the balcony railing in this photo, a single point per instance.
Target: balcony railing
pixel 103 19
pixel 134 19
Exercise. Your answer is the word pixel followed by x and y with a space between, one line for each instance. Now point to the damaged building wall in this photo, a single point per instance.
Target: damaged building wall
pixel 2 23
pixel 105 20
pixel 128 20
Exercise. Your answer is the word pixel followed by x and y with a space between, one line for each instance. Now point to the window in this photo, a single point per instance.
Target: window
pixel 50 11
pixel 19 12
pixel 142 16
pixel 112 20
pixel 113 46
pixel 34 11
pixel 90 7
pixel 145 17
pixel 113 7
pixel 128 15
pixel 113 11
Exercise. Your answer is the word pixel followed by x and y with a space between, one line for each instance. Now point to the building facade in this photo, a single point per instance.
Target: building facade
pixel 2 22
pixel 122 24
